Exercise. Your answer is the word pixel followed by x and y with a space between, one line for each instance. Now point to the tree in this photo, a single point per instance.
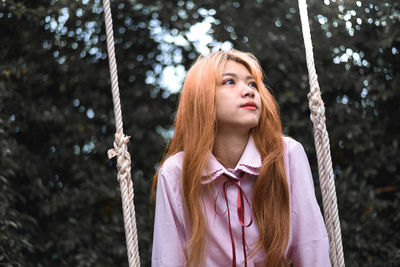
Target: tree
pixel 61 199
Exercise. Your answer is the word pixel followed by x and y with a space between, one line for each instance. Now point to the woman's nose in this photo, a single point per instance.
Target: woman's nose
pixel 247 91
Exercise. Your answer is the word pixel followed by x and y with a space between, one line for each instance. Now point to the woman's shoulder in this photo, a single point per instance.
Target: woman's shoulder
pixel 291 144
pixel 295 157
pixel 169 174
pixel 172 166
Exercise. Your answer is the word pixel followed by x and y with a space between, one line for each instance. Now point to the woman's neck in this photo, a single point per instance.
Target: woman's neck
pixel 228 148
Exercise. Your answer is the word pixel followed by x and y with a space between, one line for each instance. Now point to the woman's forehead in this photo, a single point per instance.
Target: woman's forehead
pixel 234 68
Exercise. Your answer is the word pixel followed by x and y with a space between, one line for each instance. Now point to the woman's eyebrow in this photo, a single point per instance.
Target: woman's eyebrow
pixel 249 77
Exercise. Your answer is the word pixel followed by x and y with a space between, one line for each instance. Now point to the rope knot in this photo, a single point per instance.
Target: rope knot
pixel 317 108
pixel 120 151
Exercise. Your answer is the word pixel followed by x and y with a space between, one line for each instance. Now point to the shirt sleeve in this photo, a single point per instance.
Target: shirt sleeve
pixel 310 244
pixel 169 232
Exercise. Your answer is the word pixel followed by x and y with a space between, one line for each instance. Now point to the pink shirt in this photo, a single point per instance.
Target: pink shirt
pixel 308 241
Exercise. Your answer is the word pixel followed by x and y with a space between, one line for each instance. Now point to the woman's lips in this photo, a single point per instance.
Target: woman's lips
pixel 249 105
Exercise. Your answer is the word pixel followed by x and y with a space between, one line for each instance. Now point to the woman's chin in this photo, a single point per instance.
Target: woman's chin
pixel 249 125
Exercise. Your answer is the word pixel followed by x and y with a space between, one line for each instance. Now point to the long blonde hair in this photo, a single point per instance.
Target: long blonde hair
pixel 195 130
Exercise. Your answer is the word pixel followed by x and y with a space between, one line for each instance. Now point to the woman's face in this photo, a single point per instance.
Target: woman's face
pixel 238 102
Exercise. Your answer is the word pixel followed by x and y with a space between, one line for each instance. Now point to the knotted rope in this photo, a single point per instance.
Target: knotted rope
pixel 321 138
pixel 121 150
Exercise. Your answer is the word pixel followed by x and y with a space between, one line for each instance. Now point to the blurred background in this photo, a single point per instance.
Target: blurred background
pixel 60 202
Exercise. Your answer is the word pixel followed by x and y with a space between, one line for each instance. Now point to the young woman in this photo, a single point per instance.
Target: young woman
pixel 233 190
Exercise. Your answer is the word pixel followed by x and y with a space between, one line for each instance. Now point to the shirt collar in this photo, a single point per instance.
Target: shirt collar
pixel 250 162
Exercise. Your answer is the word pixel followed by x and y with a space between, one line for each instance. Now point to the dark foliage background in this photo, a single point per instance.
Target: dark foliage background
pixel 59 199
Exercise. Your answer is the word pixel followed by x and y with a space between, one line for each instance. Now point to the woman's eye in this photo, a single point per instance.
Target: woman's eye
pixel 253 84
pixel 229 81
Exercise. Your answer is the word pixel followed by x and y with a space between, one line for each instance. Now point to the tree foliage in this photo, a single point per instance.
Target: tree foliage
pixel 60 202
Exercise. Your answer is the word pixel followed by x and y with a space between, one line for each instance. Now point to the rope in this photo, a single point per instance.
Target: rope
pixel 323 148
pixel 121 150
